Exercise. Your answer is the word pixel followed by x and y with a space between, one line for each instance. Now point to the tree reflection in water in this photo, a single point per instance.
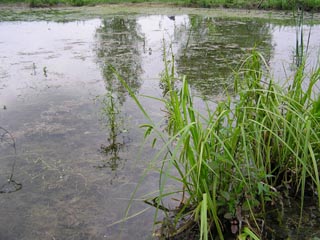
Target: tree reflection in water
pixel 118 41
pixel 214 47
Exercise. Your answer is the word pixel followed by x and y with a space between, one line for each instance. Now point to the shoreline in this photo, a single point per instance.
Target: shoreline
pixel 245 6
pixel 163 8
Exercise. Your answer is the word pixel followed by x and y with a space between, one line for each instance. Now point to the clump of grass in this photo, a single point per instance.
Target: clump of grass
pixel 235 160
pixel 77 3
pixel 50 3
pixel 43 3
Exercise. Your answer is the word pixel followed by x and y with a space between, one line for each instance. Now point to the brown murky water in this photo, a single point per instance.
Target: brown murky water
pixel 65 108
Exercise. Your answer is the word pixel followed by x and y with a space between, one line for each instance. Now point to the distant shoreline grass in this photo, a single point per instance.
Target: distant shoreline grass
pixel 307 5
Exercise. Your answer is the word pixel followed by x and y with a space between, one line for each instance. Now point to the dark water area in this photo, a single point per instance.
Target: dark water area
pixel 80 152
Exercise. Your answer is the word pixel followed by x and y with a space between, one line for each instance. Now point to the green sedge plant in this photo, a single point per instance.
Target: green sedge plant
pixel 233 161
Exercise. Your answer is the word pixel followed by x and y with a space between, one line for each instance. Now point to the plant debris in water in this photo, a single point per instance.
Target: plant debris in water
pixel 11 185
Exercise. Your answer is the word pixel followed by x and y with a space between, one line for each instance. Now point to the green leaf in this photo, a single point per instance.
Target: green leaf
pixel 225 195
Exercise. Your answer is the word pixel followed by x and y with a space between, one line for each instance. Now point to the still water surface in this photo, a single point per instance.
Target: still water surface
pixel 55 95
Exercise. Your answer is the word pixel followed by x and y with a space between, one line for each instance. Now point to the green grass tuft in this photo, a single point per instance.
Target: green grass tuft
pixel 241 155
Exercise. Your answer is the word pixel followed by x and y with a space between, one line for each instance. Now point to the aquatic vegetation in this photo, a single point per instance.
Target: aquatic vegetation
pixel 237 159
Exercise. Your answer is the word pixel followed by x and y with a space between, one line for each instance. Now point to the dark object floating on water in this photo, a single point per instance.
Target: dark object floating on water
pixel 4 107
pixel 10 186
pixel 173 18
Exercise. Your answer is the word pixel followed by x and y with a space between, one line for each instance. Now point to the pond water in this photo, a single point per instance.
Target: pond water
pixel 79 149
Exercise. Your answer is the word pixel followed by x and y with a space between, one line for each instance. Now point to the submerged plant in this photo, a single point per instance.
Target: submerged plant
pixel 233 161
